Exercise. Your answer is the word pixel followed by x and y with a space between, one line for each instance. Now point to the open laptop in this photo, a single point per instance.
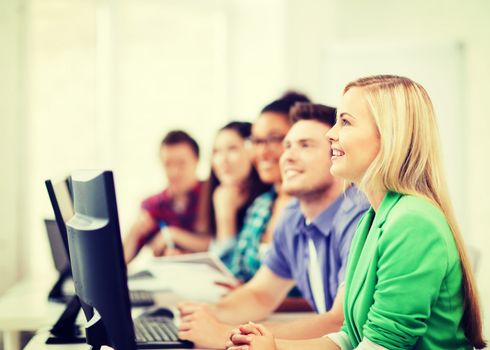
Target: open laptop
pixel 61 201
pixel 99 272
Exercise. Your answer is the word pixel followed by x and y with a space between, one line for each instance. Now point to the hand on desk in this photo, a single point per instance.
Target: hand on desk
pixel 200 326
pixel 251 336
pixel 159 246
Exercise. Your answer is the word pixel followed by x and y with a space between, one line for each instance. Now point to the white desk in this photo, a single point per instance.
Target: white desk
pixel 38 341
pixel 25 307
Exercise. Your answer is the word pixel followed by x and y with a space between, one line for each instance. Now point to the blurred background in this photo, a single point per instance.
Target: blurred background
pixel 97 84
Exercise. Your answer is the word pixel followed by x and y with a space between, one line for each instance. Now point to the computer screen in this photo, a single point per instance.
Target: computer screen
pixel 58 250
pixel 61 201
pixel 97 261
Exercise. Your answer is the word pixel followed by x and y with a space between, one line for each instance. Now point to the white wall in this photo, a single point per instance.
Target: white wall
pixel 61 122
pixel 107 79
pixel 257 52
pixel 171 73
pixel 11 38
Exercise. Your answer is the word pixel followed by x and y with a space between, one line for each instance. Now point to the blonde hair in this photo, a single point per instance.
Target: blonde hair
pixel 409 162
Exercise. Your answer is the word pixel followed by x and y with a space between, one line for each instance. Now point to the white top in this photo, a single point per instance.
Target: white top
pixel 316 280
pixel 341 339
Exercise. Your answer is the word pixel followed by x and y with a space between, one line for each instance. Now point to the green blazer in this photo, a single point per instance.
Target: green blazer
pixel 404 278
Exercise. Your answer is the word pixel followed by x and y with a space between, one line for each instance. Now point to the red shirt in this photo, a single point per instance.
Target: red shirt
pixel 161 208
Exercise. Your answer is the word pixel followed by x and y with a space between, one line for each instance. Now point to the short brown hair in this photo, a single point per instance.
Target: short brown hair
pixel 178 136
pixel 312 111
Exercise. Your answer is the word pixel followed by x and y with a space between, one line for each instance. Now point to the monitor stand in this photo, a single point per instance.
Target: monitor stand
pixel 96 332
pixel 56 294
pixel 65 330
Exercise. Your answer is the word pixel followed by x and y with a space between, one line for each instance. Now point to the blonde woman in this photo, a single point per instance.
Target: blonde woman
pixel 408 282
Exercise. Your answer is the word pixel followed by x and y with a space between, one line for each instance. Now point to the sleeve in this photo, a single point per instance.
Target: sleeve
pixel 341 339
pixel 222 248
pixel 413 259
pixel 151 205
pixel 345 243
pixel 276 258
pixel 234 258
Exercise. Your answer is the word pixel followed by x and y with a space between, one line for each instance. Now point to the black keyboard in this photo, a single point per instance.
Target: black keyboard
pixel 140 298
pixel 155 329
pixel 158 332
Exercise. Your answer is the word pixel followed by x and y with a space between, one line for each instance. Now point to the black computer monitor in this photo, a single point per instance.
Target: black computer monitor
pixel 60 196
pixel 97 261
pixel 58 251
pixel 61 202
pixel 65 329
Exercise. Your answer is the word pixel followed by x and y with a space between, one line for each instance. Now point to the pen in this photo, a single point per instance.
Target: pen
pixel 167 235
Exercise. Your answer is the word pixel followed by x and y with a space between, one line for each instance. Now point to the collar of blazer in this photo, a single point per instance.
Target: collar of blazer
pixel 388 202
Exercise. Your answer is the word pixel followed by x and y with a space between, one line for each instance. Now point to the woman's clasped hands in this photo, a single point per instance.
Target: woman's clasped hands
pixel 251 336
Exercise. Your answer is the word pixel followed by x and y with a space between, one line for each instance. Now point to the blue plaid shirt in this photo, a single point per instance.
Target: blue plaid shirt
pixel 244 259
